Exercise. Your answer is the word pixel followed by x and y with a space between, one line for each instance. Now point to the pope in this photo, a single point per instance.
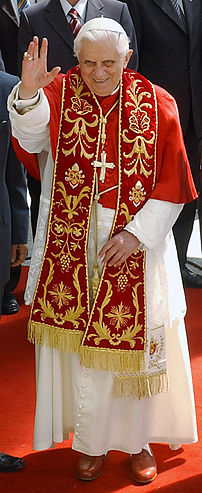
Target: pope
pixel 108 306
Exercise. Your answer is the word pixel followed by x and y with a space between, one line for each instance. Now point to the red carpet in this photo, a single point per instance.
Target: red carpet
pixel 53 470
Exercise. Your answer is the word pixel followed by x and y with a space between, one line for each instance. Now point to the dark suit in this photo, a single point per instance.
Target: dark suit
pixel 9 25
pixel 170 56
pixel 2 66
pixel 47 19
pixel 13 203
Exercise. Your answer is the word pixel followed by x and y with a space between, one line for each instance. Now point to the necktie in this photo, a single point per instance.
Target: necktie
pixel 179 12
pixel 75 24
pixel 22 4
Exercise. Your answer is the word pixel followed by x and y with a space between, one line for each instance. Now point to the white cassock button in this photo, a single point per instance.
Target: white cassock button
pixel 78 415
pixel 77 424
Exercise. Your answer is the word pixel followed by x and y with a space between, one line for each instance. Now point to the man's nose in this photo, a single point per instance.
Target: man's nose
pixel 99 71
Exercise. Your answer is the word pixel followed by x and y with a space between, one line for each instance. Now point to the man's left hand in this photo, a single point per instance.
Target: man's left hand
pixel 18 254
pixel 116 251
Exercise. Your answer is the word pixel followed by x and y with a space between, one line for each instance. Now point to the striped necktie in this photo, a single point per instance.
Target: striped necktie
pixel 75 24
pixel 179 12
pixel 22 4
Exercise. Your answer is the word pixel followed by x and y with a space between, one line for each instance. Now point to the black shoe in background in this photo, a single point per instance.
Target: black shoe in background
pixel 190 279
pixel 10 305
pixel 8 463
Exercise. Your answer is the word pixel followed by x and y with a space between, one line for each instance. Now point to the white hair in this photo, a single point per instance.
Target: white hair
pixel 121 40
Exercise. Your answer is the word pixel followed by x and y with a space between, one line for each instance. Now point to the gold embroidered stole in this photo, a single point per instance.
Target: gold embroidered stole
pixel 111 335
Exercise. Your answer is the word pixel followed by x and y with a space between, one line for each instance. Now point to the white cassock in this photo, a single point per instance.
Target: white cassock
pixel 74 398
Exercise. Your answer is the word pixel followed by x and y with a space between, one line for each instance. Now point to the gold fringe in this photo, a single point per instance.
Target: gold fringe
pixel 140 386
pixel 64 340
pixel 112 359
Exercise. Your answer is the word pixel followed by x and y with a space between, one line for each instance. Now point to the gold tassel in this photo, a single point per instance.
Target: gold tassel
pixel 64 340
pixel 140 386
pixel 95 277
pixel 95 280
pixel 112 360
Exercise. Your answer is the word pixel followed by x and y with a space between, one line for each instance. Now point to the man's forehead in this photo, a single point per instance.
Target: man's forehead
pixel 105 48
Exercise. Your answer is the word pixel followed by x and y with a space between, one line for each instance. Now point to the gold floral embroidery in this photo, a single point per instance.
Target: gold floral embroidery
pixel 124 210
pixel 139 123
pixel 79 105
pixel 128 335
pixel 61 294
pixel 128 267
pixel 78 135
pixel 67 232
pixel 119 315
pixel 72 315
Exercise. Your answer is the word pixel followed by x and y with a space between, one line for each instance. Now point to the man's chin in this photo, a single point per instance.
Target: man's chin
pixel 102 91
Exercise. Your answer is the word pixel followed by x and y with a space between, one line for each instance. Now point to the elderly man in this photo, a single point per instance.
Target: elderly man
pixel 59 22
pixel 107 314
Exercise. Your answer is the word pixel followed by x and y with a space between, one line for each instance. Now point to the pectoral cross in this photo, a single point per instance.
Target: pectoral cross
pixel 103 165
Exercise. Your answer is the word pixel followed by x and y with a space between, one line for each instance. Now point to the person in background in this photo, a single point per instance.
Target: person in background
pixel 108 305
pixel 169 43
pixel 13 216
pixel 9 27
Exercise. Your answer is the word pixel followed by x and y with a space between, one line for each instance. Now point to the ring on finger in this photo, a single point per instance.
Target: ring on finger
pixel 27 55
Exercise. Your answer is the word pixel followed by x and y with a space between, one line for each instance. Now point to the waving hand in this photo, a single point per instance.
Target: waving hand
pixel 34 69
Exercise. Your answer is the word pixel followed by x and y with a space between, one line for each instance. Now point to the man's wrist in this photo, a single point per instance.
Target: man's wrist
pixel 26 95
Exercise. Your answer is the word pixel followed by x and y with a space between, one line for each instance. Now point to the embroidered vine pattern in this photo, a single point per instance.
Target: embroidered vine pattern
pixel 79 134
pixel 68 232
pixel 139 122
pixel 72 315
pixel 119 316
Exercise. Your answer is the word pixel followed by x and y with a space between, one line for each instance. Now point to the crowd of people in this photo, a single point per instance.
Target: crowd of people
pixel 106 117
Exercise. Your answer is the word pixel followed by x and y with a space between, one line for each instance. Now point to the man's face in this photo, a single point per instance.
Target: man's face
pixel 101 65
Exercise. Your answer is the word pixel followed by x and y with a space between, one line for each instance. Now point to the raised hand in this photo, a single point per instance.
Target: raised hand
pixel 34 69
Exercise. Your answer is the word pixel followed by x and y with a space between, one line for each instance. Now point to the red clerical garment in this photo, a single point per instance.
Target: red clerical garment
pixel 146 159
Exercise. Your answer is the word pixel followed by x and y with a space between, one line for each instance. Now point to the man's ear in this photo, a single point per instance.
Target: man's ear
pixel 127 58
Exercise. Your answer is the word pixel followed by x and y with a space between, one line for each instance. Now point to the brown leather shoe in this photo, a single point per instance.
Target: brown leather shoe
pixel 90 467
pixel 143 467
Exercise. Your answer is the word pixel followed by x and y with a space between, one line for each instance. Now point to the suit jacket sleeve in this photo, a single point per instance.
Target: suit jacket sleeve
pixel 127 24
pixel 17 189
pixel 136 20
pixel 25 35
pixel 14 171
